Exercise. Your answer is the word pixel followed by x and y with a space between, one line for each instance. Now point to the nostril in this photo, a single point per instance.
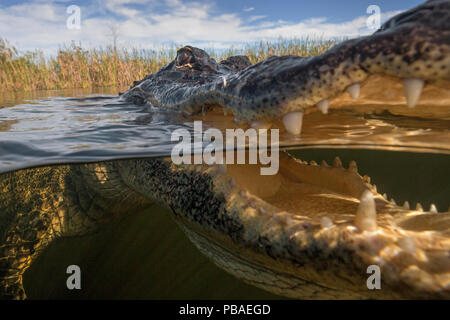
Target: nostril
pixel 184 58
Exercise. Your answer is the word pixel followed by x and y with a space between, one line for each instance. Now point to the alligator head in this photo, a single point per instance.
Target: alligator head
pixel 313 230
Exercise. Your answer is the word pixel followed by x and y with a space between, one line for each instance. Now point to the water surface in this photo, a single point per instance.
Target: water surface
pixel 84 126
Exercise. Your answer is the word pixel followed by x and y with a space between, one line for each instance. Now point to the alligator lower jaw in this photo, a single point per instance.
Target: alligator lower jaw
pixel 325 225
pixel 377 93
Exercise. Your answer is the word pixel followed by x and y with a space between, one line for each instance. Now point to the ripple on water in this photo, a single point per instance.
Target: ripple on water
pixel 58 129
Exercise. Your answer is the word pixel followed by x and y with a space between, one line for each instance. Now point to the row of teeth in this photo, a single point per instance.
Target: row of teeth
pixel 366 214
pixel 419 206
pixel 293 120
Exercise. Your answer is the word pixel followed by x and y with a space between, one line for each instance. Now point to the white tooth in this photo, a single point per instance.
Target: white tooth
pixel 261 124
pixel 385 196
pixel 352 166
pixel 419 207
pixel 324 163
pixel 406 205
pixel 337 163
pixel 326 223
pixel 433 208
pixel 366 215
pixel 224 81
pixel 353 90
pixel 413 89
pixel 393 202
pixel 323 105
pixel 293 122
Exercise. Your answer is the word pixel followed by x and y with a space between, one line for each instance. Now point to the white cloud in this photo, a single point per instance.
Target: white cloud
pixel 249 9
pixel 43 25
pixel 254 18
pixel 119 7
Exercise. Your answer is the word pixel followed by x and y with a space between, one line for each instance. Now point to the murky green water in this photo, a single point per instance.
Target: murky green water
pixel 145 255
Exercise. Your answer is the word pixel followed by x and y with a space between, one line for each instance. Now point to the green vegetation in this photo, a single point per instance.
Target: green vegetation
pixel 76 67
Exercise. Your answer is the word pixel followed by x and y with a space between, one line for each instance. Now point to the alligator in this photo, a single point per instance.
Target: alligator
pixel 309 232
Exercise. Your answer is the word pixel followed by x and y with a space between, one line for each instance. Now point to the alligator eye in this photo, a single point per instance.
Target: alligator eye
pixel 184 58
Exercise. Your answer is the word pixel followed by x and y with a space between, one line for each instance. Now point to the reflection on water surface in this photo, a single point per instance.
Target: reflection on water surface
pixel 70 126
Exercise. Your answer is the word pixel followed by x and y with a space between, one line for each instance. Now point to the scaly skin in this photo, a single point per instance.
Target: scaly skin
pixel 308 233
pixel 42 204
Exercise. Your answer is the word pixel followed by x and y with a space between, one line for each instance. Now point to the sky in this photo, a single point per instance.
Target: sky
pixel 150 24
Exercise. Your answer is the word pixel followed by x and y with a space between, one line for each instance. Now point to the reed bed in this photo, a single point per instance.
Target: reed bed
pixel 76 67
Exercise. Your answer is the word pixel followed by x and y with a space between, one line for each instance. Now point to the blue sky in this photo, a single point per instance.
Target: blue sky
pixel 205 23
pixel 295 10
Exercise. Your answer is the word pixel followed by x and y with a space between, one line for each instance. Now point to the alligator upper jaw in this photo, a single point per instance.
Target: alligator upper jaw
pixel 376 94
pixel 407 60
pixel 326 224
pixel 403 67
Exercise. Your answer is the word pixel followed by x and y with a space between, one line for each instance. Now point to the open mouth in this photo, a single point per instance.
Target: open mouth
pixel 320 226
pixel 312 230
pixel 376 117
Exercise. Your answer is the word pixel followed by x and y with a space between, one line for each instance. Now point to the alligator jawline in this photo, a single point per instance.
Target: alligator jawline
pixel 376 94
pixel 309 215
pixel 309 209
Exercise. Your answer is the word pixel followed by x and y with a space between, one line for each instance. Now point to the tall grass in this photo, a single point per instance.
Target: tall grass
pixel 76 67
